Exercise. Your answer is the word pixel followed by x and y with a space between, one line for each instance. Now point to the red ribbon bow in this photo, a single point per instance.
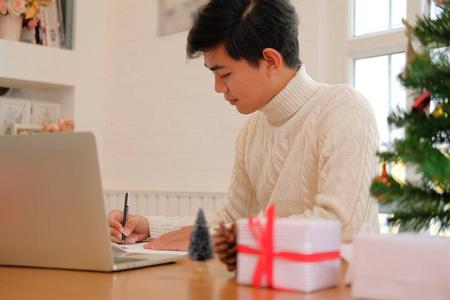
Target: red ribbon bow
pixel 264 236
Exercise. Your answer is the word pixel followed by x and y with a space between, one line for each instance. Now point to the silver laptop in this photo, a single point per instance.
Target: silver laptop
pixel 52 212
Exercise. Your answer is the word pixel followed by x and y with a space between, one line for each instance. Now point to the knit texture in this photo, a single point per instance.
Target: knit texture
pixel 311 151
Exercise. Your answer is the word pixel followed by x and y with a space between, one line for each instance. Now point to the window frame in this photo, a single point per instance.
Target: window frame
pixel 387 41
pixel 338 47
pixel 352 22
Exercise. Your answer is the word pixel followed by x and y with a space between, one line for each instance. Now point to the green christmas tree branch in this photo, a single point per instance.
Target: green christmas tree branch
pixel 434 33
pixel 415 208
pixel 431 163
pixel 436 129
pixel 417 218
pixel 423 74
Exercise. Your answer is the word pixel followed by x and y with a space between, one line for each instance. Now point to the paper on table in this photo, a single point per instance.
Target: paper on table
pixel 139 248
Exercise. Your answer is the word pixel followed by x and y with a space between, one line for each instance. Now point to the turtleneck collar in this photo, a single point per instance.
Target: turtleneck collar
pixel 291 98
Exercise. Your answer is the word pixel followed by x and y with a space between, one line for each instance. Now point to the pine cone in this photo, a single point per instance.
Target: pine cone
pixel 225 245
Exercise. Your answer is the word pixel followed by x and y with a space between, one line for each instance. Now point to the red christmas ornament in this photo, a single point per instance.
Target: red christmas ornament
pixel 384 177
pixel 422 102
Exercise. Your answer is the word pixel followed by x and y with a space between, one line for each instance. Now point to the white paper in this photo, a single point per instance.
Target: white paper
pixel 139 248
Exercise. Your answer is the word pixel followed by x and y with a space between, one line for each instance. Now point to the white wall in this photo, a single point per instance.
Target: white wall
pixel 165 127
pixel 89 46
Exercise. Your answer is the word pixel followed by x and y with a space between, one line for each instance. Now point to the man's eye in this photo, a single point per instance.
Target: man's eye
pixel 224 76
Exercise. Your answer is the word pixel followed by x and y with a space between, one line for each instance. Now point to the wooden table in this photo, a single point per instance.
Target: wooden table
pixel 179 280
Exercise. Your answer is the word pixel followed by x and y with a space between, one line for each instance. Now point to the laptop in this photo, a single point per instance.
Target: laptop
pixel 52 211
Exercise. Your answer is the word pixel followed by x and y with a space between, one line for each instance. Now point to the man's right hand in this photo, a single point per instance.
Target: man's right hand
pixel 136 228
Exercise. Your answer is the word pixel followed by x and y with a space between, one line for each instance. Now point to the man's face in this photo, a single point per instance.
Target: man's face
pixel 242 85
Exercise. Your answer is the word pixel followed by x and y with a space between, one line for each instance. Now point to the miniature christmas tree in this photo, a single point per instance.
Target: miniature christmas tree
pixel 427 133
pixel 201 248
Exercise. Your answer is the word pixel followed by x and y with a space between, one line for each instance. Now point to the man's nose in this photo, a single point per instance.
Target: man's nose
pixel 219 85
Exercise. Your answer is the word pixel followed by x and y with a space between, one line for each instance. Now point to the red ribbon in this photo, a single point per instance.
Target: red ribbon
pixel 264 236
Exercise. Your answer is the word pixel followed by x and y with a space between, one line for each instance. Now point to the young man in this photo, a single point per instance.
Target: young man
pixel 308 148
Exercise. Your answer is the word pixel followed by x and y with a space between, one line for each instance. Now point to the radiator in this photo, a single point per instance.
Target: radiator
pixel 170 204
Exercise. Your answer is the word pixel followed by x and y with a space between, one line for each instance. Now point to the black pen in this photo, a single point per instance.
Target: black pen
pixel 125 213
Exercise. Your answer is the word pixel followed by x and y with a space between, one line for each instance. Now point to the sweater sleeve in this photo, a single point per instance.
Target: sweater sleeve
pixel 239 201
pixel 347 143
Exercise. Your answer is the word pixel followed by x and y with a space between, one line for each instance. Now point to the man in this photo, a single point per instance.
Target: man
pixel 307 148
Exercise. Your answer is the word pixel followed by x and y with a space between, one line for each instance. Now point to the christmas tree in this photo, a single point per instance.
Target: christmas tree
pixel 201 248
pixel 425 146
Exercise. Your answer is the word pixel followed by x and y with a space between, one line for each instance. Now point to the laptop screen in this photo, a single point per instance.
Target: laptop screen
pixel 51 206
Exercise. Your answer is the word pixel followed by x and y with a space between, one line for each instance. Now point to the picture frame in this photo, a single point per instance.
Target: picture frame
pixel 62 36
pixel 27 129
pixel 67 7
pixel 53 25
pixel 45 112
pixel 13 111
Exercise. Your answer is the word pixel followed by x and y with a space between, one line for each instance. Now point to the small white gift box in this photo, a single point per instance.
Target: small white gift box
pixel 402 266
pixel 288 253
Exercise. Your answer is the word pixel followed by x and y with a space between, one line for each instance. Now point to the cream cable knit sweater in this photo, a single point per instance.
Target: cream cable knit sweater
pixel 310 151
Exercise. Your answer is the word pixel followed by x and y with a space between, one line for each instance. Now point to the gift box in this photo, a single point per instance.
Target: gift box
pixel 402 266
pixel 288 253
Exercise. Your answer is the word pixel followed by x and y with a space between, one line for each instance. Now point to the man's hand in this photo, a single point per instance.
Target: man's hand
pixel 175 240
pixel 136 228
pixel 225 245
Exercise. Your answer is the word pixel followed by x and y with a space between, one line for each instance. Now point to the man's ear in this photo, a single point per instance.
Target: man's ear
pixel 273 59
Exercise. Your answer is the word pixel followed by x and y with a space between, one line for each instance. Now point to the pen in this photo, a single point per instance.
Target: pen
pixel 125 213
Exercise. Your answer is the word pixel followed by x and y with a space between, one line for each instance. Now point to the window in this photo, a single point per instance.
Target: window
pixel 377 78
pixel 362 43
pixel 374 16
pixel 375 69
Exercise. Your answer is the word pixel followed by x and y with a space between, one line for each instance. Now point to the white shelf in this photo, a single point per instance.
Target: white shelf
pixel 28 66
pixel 73 78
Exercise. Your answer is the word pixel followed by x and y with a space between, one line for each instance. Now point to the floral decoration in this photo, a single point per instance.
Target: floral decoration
pixel 63 125
pixel 29 9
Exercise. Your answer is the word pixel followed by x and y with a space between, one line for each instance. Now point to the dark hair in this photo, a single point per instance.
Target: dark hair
pixel 246 28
